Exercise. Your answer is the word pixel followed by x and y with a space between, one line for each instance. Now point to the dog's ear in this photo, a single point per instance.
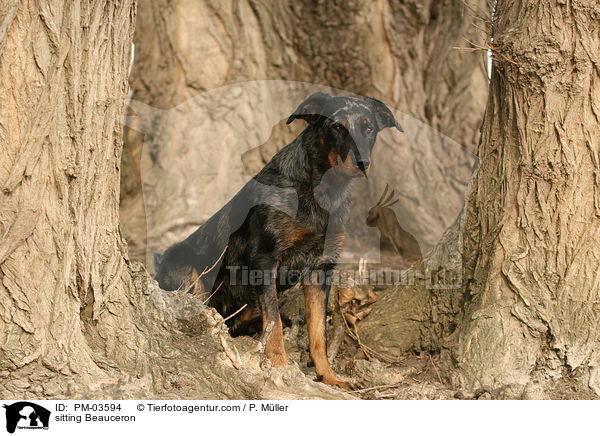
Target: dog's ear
pixel 385 117
pixel 157 260
pixel 312 108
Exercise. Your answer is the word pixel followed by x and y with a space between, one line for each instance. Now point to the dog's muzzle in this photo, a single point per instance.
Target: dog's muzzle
pixel 363 165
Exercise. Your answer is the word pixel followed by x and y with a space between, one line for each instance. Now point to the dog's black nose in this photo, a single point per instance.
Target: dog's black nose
pixel 363 165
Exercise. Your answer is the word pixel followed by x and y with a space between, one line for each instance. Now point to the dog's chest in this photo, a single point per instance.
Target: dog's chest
pixel 302 235
pixel 307 240
pixel 303 253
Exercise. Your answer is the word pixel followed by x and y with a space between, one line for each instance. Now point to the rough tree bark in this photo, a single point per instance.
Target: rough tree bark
pixel 206 130
pixel 62 262
pixel 77 319
pixel 532 246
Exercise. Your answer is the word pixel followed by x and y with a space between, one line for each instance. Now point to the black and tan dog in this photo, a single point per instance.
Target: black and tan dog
pixel 285 226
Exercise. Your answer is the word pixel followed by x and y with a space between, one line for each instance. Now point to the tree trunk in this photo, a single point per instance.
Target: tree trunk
pixel 62 262
pixel 212 110
pixel 77 319
pixel 532 245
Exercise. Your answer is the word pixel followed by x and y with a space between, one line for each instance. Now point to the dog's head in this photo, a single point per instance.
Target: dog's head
pixel 345 130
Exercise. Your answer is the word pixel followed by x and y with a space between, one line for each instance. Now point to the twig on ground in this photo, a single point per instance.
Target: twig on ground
pixel 214 292
pixel 436 370
pixel 397 385
pixel 206 271
pixel 236 312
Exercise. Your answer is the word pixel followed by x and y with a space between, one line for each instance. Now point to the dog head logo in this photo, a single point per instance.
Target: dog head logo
pixel 26 415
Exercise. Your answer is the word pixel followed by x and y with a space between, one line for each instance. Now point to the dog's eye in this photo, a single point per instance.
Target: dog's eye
pixel 338 128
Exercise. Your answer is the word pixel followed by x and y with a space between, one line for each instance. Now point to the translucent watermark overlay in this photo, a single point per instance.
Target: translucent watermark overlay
pixel 376 277
pixel 201 154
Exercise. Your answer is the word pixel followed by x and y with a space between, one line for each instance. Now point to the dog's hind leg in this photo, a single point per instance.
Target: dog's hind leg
pixel 315 298
pixel 247 322
pixel 272 333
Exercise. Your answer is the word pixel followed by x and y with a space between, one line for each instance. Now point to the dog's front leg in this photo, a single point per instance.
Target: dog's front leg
pixel 315 298
pixel 272 328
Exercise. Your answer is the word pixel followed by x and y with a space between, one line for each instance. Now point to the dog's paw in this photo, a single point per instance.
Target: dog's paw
pixel 333 380
pixel 346 385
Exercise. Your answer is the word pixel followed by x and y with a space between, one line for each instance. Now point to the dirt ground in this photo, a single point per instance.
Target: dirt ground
pixel 417 375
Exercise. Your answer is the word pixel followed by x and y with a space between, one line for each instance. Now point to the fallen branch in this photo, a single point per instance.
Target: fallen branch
pixel 397 385
pixel 236 361
pixel 369 352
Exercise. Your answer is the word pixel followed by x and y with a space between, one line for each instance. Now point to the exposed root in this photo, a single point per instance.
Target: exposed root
pixel 369 352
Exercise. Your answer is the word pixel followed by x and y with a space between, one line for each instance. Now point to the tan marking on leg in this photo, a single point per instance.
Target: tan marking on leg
pixel 315 324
